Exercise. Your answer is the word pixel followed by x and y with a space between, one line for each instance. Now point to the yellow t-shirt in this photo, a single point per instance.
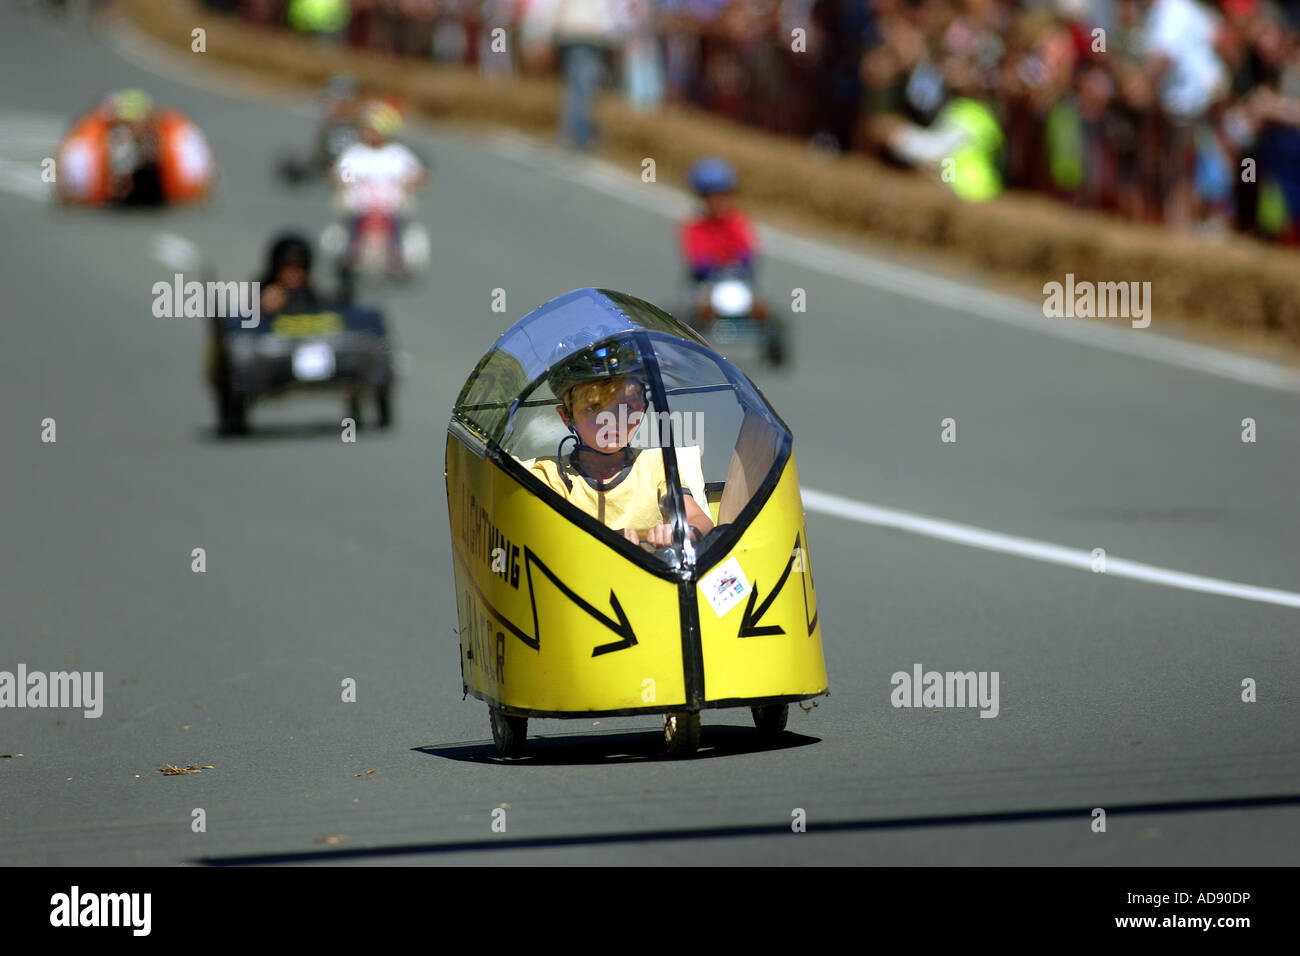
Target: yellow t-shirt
pixel 635 501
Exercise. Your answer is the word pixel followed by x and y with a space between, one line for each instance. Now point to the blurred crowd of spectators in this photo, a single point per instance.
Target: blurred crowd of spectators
pixel 1185 112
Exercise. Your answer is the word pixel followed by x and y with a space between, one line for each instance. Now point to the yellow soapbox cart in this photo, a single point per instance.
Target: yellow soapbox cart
pixel 562 615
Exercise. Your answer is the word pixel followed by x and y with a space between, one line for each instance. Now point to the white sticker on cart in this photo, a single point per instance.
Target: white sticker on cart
pixel 313 363
pixel 725 586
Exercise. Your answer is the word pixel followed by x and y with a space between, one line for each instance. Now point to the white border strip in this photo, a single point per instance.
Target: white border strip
pixel 970 536
pixel 1008 310
pixel 672 203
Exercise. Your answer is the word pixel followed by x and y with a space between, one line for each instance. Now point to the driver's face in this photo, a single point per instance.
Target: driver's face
pixel 607 413
pixel 292 277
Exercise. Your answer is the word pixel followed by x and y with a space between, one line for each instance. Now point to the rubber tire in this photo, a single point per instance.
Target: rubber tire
pixel 347 283
pixel 291 172
pixel 384 403
pixel 508 733
pixel 233 414
pixel 774 350
pixel 682 733
pixel 354 411
pixel 770 719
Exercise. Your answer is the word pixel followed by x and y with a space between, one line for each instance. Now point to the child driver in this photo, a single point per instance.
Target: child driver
pixel 602 391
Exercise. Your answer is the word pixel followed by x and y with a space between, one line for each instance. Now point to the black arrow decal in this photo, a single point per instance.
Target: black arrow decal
pixel 505 621
pixel 749 620
pixel 622 627
pixel 807 566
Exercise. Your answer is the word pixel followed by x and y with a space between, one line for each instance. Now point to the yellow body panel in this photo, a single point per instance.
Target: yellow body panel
pixel 773 554
pixel 537 545
pixel 537 595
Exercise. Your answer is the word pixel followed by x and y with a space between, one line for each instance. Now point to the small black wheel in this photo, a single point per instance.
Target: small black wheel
pixel 770 719
pixel 232 414
pixel 508 733
pixel 291 171
pixel 682 733
pixel 774 349
pixel 354 409
pixel 347 282
pixel 384 403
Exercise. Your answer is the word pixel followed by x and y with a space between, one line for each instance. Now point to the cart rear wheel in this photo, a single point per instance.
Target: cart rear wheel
pixel 774 349
pixel 508 733
pixel 232 413
pixel 770 719
pixel 682 733
pixel 384 402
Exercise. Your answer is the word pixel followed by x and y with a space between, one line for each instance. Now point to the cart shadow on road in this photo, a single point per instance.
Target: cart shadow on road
pixel 617 746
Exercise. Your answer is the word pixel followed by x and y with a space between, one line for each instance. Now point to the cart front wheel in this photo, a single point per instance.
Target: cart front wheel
pixel 774 349
pixel 232 413
pixel 508 733
pixel 354 410
pixel 770 719
pixel 384 402
pixel 682 733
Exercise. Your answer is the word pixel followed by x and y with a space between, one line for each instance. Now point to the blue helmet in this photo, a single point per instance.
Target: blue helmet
pixel 605 360
pixel 711 176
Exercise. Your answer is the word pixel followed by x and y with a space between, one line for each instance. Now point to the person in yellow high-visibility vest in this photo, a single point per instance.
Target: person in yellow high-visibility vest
pixel 319 16
pixel 976 176
pixel 963 144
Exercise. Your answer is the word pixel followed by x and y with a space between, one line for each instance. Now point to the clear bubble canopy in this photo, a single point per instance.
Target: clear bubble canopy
pixel 720 441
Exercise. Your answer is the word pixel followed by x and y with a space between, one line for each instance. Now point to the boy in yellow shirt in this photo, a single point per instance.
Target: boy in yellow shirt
pixel 602 391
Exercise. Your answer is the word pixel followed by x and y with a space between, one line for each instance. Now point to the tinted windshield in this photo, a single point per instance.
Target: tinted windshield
pixel 545 337
pixel 630 419
pixel 607 451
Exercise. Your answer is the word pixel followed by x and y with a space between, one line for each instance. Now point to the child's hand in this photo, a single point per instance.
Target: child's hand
pixel 661 536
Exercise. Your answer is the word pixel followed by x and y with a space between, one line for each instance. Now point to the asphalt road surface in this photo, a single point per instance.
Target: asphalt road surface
pixel 328 560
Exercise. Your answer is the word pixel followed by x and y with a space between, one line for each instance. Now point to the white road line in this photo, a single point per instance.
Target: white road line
pixel 176 252
pixel 959 297
pixel 26 141
pixel 23 179
pixel 825 503
pixel 614 181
